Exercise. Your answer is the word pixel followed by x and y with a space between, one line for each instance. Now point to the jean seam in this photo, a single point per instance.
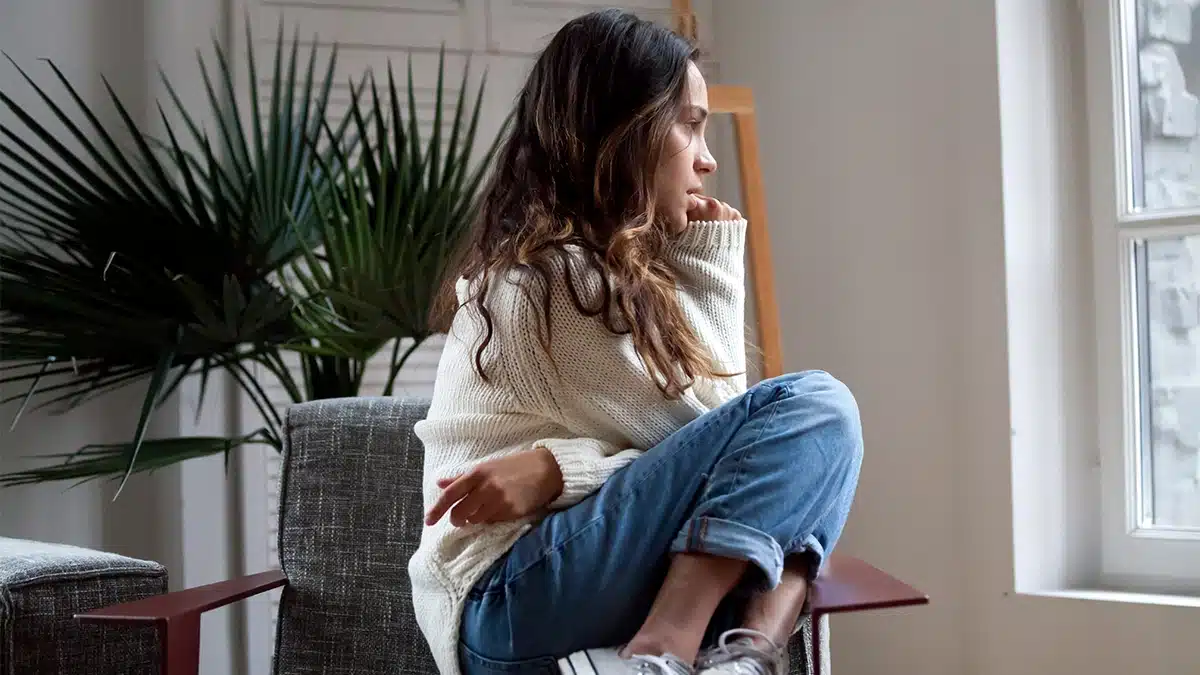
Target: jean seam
pixel 539 662
pixel 601 516
pixel 741 454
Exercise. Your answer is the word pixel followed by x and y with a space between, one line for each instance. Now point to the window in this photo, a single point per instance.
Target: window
pixel 1144 113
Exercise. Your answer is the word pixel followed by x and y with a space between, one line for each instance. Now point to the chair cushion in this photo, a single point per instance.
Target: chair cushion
pixel 43 586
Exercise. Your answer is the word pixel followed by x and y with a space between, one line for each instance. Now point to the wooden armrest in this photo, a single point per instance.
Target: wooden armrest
pixel 192 601
pixel 847 584
pixel 177 616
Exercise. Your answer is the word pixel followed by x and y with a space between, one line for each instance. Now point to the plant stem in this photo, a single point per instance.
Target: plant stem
pixel 397 365
pixel 258 397
pixel 274 362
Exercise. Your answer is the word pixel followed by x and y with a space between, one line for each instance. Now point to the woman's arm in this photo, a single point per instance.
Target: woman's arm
pixel 709 259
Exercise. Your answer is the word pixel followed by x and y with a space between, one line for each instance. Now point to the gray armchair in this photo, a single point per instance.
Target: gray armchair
pixel 350 518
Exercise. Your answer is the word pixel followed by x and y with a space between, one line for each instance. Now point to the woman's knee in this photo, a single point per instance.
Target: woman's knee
pixel 818 383
pixel 821 395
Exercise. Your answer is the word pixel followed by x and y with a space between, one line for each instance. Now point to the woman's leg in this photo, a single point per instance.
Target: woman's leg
pixel 776 612
pixel 742 487
pixel 830 476
pixel 696 584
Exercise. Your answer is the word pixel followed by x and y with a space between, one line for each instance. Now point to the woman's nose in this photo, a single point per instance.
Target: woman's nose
pixel 705 162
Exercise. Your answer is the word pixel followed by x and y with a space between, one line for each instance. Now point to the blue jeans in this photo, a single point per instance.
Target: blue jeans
pixel 768 475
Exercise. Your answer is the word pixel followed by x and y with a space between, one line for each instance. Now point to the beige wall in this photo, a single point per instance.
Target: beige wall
pixel 883 162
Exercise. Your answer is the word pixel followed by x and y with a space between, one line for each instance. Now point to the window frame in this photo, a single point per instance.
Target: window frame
pixel 1132 556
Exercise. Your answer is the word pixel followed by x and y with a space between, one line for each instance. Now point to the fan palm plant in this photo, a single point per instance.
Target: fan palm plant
pixel 388 227
pixel 127 260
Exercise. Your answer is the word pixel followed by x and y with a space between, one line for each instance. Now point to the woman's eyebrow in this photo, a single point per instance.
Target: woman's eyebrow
pixel 699 111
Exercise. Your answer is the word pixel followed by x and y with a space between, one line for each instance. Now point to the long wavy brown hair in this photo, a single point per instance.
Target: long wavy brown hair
pixel 575 176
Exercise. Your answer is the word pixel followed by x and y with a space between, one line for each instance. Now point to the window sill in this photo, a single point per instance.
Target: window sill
pixel 1126 597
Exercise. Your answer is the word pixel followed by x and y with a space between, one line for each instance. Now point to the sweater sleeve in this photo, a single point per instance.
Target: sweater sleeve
pixel 586 463
pixel 709 259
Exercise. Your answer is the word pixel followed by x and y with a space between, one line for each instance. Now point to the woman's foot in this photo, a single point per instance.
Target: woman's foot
pixel 610 662
pixel 743 652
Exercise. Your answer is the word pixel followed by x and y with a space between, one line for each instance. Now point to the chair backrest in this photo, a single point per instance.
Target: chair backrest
pixel 350 519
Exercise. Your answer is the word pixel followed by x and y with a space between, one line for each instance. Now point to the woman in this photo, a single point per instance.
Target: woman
pixel 603 493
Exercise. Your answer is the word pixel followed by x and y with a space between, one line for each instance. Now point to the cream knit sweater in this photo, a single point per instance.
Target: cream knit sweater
pixel 594 407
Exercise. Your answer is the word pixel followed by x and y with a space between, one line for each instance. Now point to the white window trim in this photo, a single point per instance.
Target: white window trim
pixel 1132 557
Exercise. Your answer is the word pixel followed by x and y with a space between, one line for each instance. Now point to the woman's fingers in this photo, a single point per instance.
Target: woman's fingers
pixel 702 208
pixel 488 512
pixel 710 208
pixel 466 510
pixel 458 489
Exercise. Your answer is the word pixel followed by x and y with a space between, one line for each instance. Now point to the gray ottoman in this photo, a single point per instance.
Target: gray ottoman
pixel 43 586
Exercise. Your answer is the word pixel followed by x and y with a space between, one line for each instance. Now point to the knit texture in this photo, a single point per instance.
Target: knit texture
pixel 591 402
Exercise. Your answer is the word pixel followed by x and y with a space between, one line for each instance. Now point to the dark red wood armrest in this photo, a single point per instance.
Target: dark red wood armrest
pixel 847 584
pixel 177 616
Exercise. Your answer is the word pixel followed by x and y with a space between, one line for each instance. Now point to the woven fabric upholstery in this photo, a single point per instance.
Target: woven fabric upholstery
pixel 800 648
pixel 43 586
pixel 350 518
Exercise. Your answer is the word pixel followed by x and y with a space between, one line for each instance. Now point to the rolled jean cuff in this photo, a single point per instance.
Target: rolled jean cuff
pixel 728 539
pixel 815 557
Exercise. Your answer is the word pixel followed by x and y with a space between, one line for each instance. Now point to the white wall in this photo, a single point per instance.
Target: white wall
pixel 882 158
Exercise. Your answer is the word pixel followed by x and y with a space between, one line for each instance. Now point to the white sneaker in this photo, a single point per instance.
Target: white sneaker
pixel 609 662
pixel 743 652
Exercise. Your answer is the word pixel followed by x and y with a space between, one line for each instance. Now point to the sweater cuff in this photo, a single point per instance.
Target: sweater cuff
pixel 583 466
pixel 709 235
pixel 577 465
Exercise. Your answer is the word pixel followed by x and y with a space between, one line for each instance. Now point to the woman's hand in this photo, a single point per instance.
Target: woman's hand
pixel 499 490
pixel 709 208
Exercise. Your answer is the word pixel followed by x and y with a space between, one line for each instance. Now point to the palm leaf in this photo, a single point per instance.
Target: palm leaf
pixel 137 259
pixel 111 460
pixel 390 222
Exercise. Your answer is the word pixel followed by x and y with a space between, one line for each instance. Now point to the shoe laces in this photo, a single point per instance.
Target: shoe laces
pixel 742 651
pixel 646 664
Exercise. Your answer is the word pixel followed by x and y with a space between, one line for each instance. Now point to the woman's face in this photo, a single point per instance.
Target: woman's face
pixel 686 160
